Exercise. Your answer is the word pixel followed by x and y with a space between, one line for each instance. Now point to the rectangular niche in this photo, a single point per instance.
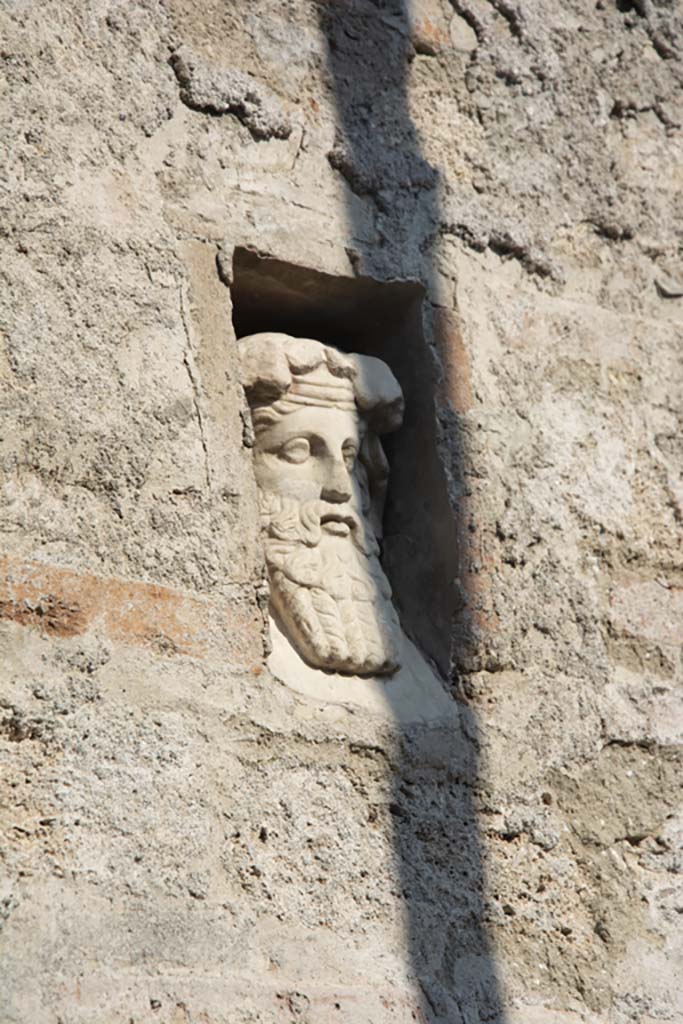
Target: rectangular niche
pixel 382 319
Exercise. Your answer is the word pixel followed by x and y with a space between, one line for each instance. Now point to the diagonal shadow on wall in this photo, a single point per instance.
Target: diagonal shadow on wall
pixel 392 188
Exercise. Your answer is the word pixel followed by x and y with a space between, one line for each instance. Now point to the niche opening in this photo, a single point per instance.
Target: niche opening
pixel 382 319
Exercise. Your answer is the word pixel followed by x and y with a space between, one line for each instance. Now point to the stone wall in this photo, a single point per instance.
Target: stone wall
pixel 184 838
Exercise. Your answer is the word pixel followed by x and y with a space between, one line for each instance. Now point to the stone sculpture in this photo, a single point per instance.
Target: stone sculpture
pixel 317 415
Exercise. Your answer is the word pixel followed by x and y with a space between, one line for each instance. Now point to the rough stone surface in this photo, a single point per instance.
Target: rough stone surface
pixel 229 92
pixel 183 838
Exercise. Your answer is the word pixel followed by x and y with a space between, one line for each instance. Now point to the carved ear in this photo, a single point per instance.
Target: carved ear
pixel 378 394
pixel 265 371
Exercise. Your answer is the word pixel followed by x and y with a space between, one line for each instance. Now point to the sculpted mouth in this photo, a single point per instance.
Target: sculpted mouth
pixel 337 523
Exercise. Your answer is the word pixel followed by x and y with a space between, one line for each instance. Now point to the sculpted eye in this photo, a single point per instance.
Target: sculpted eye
pixel 297 449
pixel 350 453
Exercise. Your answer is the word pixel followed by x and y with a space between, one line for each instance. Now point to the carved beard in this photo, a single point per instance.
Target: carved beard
pixel 328 591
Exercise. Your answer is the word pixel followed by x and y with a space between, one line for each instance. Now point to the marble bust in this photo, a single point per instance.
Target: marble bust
pixel 318 415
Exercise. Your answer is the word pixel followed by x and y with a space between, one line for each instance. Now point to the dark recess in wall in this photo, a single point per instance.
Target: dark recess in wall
pixel 383 319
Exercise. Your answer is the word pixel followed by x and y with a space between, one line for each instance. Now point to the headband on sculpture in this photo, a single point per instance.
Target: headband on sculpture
pixel 300 371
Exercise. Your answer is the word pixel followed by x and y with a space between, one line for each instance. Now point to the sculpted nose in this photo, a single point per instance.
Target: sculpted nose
pixel 337 483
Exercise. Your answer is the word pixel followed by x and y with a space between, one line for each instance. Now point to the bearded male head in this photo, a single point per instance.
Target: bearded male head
pixel 317 415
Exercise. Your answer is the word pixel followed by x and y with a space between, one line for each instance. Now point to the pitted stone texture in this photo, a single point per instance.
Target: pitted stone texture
pixel 230 92
pixel 188 841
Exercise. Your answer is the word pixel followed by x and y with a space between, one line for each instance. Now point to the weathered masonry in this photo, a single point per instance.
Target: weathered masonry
pixel 341 504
